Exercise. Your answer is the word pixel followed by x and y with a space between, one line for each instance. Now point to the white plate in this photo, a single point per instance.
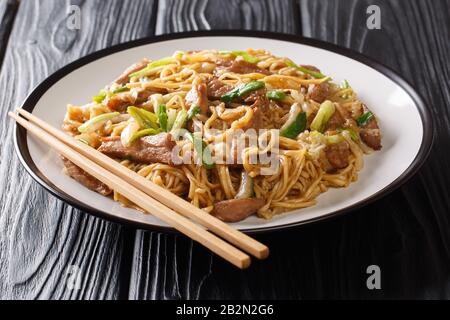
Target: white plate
pixel 405 123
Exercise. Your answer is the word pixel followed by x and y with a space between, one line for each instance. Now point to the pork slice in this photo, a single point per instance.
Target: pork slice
pixel 223 62
pixel 243 67
pixel 85 178
pixel 236 210
pixel 336 121
pixel 259 99
pixel 198 96
pixel 216 89
pixel 318 92
pixel 338 154
pixel 150 149
pixel 256 122
pixel 125 76
pixel 370 134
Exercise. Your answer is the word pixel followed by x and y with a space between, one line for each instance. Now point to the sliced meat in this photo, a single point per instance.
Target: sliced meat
pixel 256 122
pixel 237 209
pixel 85 179
pixel 216 89
pixel 125 76
pixel 372 138
pixel 318 92
pixel 336 121
pixel 258 98
pixel 310 119
pixel 370 133
pixel 150 149
pixel 338 154
pixel 198 96
pixel 242 67
pixel 260 105
pixel 223 62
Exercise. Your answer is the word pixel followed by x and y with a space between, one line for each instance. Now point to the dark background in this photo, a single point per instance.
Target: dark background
pixel 407 233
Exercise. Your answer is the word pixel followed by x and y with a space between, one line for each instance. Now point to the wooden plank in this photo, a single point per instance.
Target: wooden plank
pixel 172 267
pixel 43 240
pixel 182 15
pixel 8 11
pixel 406 233
pixel 413 40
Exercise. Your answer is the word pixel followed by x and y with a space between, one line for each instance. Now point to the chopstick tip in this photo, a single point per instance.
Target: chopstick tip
pixel 245 263
pixel 263 253
pixel 12 114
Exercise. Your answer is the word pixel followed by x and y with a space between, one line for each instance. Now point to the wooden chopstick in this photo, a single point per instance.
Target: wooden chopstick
pixel 164 196
pixel 180 223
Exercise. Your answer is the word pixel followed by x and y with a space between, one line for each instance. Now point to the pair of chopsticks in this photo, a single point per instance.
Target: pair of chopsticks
pixel 154 199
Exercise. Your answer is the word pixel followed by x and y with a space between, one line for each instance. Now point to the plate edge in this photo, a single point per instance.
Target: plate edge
pixel 30 101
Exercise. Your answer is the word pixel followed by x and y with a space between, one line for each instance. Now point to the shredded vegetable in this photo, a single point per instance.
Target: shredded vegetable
pixel 246 189
pixel 295 124
pixel 193 111
pixel 245 55
pixel 243 90
pixel 144 133
pixel 180 121
pixel 276 95
pixel 312 73
pixel 364 119
pixel 96 122
pixel 324 114
pixel 155 64
pixel 162 117
pixel 143 117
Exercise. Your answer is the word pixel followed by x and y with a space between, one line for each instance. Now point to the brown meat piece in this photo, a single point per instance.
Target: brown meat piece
pixel 338 154
pixel 242 67
pixel 370 133
pixel 125 76
pixel 371 138
pixel 216 89
pixel 150 149
pixel 198 96
pixel 237 209
pixel 256 122
pixel 223 62
pixel 310 119
pixel 85 179
pixel 318 92
pixel 258 98
pixel 260 105
pixel 336 121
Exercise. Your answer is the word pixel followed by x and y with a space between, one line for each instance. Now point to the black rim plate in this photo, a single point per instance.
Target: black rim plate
pixel 21 145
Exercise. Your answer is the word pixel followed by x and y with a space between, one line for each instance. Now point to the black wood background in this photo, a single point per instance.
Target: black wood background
pixel 407 233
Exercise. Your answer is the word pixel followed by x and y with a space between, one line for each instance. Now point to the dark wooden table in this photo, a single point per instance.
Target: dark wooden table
pixel 43 241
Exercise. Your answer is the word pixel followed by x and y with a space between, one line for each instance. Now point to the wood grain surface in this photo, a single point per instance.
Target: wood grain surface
pixel 8 10
pixel 43 240
pixel 406 233
pixel 413 40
